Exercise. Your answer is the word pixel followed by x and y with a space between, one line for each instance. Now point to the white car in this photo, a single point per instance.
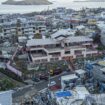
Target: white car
pixel 52 83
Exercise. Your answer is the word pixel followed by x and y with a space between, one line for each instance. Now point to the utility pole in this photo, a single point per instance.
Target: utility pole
pixel 49 79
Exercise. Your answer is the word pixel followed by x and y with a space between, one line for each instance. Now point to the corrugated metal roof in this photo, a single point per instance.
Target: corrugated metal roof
pixel 34 42
pixel 71 39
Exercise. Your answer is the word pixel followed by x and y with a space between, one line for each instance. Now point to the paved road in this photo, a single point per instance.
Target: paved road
pixel 37 87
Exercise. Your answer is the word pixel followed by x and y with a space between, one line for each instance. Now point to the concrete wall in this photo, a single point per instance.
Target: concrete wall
pixel 6 98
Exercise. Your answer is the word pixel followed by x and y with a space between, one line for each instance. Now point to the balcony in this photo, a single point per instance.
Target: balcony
pixel 95 45
pixel 55 55
pixel 38 55
pixel 78 53
pixel 91 51
pixel 55 49
pixel 87 44
pixel 40 58
pixel 30 29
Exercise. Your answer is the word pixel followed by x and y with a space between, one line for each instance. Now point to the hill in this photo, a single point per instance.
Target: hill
pixel 27 2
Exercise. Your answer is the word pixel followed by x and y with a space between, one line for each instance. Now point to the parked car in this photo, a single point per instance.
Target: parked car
pixel 68 70
pixel 36 79
pixel 55 72
pixel 43 77
pixel 53 86
pixel 52 83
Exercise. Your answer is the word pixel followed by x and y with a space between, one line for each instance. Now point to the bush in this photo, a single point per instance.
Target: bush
pixel 6 84
pixel 11 74
pixel 101 48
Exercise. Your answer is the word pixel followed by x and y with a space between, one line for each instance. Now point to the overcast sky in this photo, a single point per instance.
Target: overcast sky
pixel 49 0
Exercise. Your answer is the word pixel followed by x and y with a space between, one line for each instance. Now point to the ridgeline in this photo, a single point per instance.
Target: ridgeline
pixel 27 2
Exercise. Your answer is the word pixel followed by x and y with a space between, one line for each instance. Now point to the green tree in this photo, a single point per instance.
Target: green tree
pixel 6 84
pixel 0 29
pixel 78 33
pixel 38 36
pixel 18 25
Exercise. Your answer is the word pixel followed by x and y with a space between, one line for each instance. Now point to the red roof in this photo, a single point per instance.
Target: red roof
pixel 55 87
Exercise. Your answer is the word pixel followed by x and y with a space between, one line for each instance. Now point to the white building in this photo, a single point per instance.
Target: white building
pixel 103 15
pixel 68 79
pixel 23 26
pixel 22 39
pixel 80 73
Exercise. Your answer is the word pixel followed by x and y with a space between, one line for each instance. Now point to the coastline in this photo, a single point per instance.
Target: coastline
pixel 9 9
pixel 43 2
pixel 89 1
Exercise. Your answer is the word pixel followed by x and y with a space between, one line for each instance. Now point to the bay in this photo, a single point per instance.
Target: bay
pixel 4 9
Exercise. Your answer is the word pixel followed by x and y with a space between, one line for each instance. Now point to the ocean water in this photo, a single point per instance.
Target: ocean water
pixel 31 8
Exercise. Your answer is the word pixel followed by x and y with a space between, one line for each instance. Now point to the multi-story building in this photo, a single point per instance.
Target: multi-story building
pixel 23 26
pixel 60 47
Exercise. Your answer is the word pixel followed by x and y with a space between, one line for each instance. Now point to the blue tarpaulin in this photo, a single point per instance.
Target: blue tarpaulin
pixel 63 94
pixel 89 66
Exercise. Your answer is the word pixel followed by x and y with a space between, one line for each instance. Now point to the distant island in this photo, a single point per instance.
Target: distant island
pixel 90 1
pixel 27 2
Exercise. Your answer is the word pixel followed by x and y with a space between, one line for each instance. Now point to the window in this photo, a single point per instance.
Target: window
pixel 52 59
pixel 44 60
pixel 65 44
pixel 37 61
pixel 67 52
pixel 104 73
pixel 56 59
pixel 19 29
pixel 22 28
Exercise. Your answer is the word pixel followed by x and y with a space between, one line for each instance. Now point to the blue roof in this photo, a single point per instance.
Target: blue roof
pixel 63 94
pixel 104 58
pixel 89 66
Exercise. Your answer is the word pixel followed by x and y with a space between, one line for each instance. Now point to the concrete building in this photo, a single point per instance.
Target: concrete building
pixel 23 26
pixel 60 46
pixel 68 80
pixel 80 73
pixel 76 97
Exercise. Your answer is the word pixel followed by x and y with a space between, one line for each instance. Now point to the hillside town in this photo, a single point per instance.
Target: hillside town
pixel 53 57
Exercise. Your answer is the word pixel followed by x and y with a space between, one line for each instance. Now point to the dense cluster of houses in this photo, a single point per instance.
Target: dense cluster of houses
pixel 54 35
pixel 59 34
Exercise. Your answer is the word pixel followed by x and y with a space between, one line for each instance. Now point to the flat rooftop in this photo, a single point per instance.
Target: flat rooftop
pixel 103 69
pixel 80 71
pixel 82 91
pixel 101 63
pixel 77 97
pixel 50 41
pixel 69 77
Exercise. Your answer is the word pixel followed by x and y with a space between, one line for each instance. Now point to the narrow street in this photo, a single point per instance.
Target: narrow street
pixel 19 94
